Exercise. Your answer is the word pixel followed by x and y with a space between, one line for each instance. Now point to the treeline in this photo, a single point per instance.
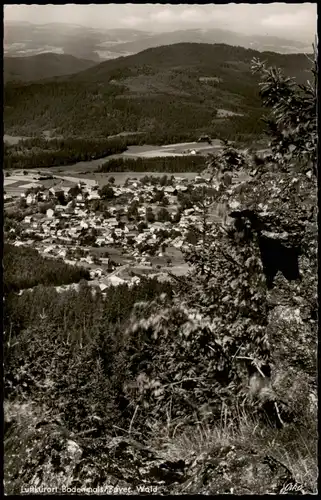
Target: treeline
pixel 71 334
pixel 67 310
pixel 40 153
pixel 25 268
pixel 172 164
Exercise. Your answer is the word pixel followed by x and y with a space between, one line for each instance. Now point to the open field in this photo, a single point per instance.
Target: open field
pixel 18 182
pixel 15 184
pixel 120 177
pixel 146 151
pixel 13 139
pixel 178 149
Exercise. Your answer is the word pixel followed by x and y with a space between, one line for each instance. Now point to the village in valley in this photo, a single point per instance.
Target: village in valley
pixel 118 232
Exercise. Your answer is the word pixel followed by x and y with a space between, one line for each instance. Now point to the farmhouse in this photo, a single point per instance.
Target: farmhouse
pixel 56 191
pixel 31 199
pixel 60 208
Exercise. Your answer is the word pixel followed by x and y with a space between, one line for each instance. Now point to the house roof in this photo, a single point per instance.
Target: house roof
pixel 56 189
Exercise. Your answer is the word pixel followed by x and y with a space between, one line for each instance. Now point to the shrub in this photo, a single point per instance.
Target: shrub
pixel 150 217
pixel 141 226
pixel 163 215
pixel 106 192
pixel 25 268
pixel 43 207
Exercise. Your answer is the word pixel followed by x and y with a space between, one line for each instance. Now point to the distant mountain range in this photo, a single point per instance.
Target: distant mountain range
pixel 42 66
pixel 21 39
pixel 256 42
pixel 173 91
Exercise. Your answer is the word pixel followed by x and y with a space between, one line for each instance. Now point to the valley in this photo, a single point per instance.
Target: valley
pixel 141 243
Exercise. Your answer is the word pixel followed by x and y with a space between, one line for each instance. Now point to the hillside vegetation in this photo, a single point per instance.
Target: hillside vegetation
pixel 25 268
pixel 172 164
pixel 39 152
pixel 206 384
pixel 160 91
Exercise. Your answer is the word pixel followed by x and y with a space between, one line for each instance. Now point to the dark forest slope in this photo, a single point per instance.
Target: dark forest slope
pixel 171 90
pixel 42 66
pixel 198 56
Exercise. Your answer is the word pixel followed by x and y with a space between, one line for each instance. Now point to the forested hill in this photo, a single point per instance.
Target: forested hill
pixel 198 57
pixel 167 92
pixel 42 66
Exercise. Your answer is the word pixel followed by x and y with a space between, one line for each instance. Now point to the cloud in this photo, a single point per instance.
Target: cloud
pixel 295 20
pixel 182 15
pixel 300 24
pixel 165 15
pixel 132 21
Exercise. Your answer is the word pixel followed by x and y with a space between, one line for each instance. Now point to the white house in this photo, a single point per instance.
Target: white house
pixel 115 280
pixel 49 249
pixel 94 196
pixel 50 213
pixel 113 222
pixel 66 190
pixel 62 253
pixel 55 191
pixel 181 180
pixel 180 187
pixel 96 273
pixel 60 208
pixel 31 198
pixel 84 224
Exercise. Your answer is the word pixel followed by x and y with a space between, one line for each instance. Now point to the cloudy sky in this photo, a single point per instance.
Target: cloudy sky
pixel 293 21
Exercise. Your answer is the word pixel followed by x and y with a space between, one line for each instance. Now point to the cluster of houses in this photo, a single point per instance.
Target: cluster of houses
pixel 37 193
pixel 70 229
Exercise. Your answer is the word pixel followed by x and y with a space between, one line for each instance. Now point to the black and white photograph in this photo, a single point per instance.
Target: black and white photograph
pixel 160 267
